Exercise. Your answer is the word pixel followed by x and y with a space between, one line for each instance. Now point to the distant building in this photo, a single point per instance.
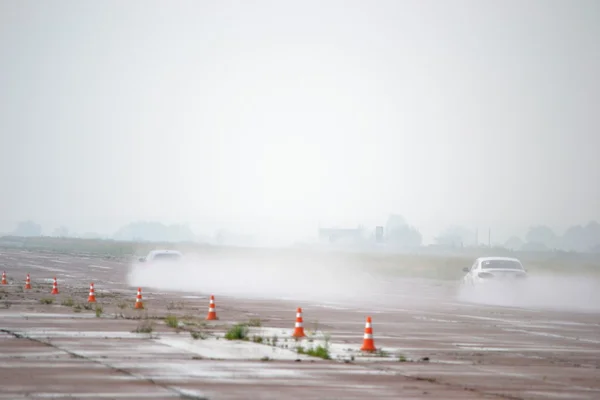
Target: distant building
pixel 333 235
pixel 379 234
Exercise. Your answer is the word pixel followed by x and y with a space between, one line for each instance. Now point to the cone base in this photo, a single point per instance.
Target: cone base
pixel 91 299
pixel 368 345
pixel 298 333
pixel 139 305
pixel 54 292
pixel 27 286
pixel 212 317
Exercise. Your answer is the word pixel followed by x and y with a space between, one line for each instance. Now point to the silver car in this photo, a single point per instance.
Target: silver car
pixel 489 270
pixel 162 256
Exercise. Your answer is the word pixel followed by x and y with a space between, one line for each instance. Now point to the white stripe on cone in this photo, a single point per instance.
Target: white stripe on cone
pixel 368 336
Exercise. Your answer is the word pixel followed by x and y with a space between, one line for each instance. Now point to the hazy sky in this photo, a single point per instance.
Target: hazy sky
pixel 276 115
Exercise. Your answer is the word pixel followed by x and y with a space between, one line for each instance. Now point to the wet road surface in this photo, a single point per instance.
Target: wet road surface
pixel 433 346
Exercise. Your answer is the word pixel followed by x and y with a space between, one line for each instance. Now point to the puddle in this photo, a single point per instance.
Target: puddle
pixel 51 269
pixel 99 267
pixel 332 307
pixel 436 320
pixel 481 348
pixel 366 372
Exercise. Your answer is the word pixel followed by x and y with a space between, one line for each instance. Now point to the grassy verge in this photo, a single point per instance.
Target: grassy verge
pixel 318 351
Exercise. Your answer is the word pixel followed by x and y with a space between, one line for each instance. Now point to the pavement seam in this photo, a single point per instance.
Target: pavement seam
pixel 181 394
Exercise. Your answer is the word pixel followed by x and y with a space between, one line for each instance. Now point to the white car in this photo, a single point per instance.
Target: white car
pixel 489 270
pixel 159 256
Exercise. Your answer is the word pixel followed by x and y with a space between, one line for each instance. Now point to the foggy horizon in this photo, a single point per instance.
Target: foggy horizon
pixel 273 118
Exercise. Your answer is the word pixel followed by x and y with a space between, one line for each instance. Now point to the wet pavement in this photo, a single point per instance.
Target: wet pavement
pixel 433 346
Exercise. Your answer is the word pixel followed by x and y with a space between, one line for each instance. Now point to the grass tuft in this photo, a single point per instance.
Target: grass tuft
pixel 237 332
pixel 47 300
pixel 257 339
pixel 319 351
pixel 99 310
pixel 172 321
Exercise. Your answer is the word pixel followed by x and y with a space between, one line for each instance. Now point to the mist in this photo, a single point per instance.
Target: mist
pixel 257 277
pixel 273 117
pixel 544 291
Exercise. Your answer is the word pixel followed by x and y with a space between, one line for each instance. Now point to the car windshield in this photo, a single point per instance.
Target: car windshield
pixel 501 264
pixel 167 256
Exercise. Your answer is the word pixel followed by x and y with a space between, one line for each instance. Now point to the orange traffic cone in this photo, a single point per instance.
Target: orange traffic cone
pixel 212 312
pixel 27 282
pixel 368 343
pixel 299 328
pixel 4 281
pixel 138 299
pixel 92 296
pixel 54 287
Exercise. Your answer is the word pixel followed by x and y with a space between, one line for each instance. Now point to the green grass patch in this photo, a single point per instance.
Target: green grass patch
pixel 237 332
pixel 99 310
pixel 319 351
pixel 257 339
pixel 47 300
pixel 172 321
